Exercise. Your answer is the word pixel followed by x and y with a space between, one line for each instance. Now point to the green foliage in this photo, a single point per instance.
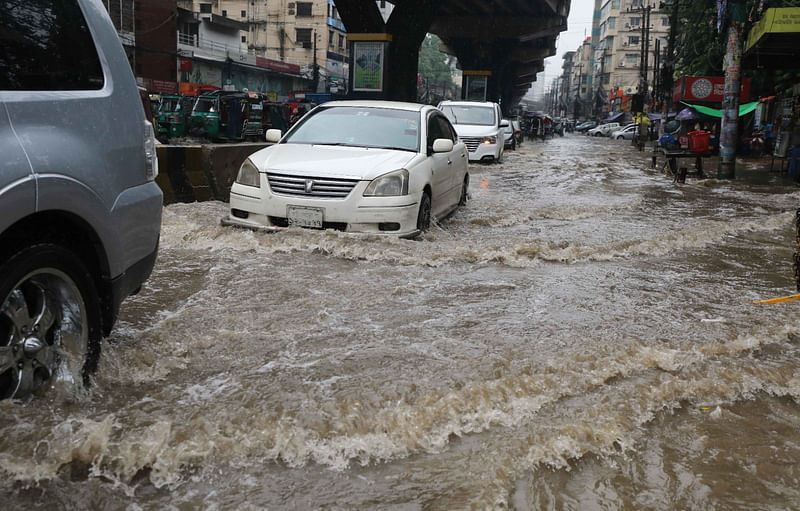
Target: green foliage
pixel 433 65
pixel 700 50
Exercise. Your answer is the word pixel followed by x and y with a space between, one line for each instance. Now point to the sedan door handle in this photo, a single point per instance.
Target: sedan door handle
pixel 449 162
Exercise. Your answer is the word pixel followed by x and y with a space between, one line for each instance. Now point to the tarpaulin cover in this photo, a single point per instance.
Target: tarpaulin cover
pixel 686 114
pixel 715 112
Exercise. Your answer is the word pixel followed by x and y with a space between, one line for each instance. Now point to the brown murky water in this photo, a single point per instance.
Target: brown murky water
pixel 580 336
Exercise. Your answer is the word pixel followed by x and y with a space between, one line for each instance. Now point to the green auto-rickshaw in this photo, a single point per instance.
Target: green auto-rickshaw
pixel 204 119
pixel 172 113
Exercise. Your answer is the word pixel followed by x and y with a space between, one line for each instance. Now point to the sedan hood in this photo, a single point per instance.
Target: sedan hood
pixel 472 130
pixel 330 161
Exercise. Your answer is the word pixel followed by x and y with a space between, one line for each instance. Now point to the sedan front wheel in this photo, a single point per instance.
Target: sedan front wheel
pixel 424 215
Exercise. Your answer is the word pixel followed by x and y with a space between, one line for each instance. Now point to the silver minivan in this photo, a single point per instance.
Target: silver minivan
pixel 80 212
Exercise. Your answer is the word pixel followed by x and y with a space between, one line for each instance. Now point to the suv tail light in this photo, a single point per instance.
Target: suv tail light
pixel 150 156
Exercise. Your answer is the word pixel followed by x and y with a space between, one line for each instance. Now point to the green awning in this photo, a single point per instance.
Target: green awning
pixel 716 112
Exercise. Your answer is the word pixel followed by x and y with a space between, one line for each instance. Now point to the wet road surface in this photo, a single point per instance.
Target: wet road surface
pixel 579 336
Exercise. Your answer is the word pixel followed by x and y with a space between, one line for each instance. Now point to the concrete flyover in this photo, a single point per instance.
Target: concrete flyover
pixel 506 40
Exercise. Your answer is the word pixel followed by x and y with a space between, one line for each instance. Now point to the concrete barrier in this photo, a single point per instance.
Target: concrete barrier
pixel 200 172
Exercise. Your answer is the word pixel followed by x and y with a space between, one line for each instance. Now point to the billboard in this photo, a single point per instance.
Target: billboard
pixel 706 89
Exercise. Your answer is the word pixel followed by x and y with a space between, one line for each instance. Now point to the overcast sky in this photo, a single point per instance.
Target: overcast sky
pixel 579 25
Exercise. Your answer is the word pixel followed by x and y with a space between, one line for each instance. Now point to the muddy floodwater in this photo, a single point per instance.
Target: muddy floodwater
pixel 579 336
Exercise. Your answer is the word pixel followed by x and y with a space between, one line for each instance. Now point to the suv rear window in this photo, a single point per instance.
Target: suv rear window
pixel 46 45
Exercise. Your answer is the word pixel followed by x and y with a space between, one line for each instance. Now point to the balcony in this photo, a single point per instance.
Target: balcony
pixel 193 43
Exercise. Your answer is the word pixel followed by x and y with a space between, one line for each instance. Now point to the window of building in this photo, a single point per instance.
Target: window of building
pixel 47 46
pixel 631 59
pixel 612 23
pixel 615 4
pixel 635 22
pixel 244 38
pixel 636 4
pixel 225 13
pixel 383 4
pixel 303 37
pixel 665 21
pixel 304 9
pixel 331 38
pixel 244 14
pixel 633 40
pixel 341 41
pixel 205 8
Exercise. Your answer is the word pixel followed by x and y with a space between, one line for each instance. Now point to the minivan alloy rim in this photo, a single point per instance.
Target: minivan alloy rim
pixel 43 333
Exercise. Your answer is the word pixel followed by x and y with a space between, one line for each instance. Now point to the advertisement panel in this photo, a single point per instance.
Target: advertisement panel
pixel 706 89
pixel 368 59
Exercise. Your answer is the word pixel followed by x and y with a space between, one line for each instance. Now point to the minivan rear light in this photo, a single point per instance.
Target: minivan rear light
pixel 150 156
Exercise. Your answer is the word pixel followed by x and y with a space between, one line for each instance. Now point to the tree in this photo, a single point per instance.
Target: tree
pixel 433 65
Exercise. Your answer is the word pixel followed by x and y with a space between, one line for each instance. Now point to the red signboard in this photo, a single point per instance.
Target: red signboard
pixel 277 65
pixel 186 65
pixel 708 89
pixel 164 87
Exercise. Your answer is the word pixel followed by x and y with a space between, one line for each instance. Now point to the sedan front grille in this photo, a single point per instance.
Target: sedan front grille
pixel 318 187
pixel 472 143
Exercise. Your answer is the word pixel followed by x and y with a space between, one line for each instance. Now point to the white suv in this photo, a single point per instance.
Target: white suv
pixel 479 125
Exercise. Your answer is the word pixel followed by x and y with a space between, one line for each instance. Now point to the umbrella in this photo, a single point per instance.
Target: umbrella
pixel 686 114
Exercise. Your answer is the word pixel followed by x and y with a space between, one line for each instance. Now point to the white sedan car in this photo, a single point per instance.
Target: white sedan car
pixel 626 133
pixel 357 166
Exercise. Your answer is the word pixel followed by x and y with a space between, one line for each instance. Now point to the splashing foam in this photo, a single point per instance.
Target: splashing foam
pixel 181 232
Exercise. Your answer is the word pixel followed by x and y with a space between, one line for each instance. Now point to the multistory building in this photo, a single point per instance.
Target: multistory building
pixel 622 36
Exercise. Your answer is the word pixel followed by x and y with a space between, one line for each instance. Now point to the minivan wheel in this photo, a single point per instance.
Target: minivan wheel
pixel 424 215
pixel 49 322
pixel 464 191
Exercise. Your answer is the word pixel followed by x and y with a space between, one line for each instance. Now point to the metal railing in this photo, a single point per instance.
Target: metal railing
pixel 199 42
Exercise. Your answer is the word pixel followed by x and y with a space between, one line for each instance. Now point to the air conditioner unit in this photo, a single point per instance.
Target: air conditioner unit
pixel 622 64
pixel 291 11
pixel 630 90
pixel 290 5
pixel 624 43
pixel 627 25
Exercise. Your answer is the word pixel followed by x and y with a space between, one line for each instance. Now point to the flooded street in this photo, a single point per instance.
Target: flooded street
pixel 579 336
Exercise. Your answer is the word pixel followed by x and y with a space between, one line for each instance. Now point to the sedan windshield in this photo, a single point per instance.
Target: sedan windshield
pixel 383 128
pixel 469 114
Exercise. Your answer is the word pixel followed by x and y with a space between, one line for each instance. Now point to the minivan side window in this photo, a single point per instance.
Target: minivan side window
pixel 46 45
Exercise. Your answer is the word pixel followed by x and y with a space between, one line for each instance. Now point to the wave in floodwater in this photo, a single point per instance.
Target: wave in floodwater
pixel 437 248
pixel 563 412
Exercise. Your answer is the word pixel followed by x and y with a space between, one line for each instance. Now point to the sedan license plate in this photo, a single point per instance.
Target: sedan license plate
pixel 304 217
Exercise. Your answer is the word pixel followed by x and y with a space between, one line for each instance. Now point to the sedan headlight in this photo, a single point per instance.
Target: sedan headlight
pixel 248 175
pixel 389 185
pixel 490 140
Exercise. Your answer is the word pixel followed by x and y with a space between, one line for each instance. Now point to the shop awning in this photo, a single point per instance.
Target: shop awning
pixel 715 112
pixel 774 42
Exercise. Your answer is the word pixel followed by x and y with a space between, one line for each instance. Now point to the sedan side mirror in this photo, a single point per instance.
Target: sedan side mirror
pixel 442 145
pixel 273 136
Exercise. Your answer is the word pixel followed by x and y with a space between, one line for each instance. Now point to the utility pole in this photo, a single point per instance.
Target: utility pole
pixel 729 129
pixel 578 90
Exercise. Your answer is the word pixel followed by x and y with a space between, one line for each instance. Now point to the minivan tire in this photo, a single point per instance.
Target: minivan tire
pixel 49 321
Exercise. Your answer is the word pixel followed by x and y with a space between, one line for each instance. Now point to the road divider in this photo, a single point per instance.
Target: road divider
pixel 196 173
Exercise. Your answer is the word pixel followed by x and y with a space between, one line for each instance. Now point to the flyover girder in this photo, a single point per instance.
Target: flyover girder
pixel 510 38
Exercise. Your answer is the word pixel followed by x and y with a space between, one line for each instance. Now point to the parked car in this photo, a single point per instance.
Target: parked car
pixel 585 126
pixel 479 125
pixel 80 213
pixel 626 133
pixel 357 166
pixel 509 139
pixel 603 130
